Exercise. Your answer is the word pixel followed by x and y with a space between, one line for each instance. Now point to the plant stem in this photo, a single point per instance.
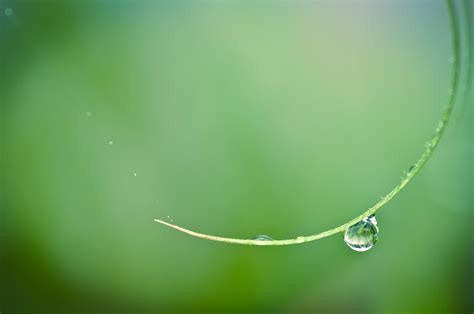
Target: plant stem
pixel 430 146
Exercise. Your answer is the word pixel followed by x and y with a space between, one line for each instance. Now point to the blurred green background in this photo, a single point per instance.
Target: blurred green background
pixel 236 119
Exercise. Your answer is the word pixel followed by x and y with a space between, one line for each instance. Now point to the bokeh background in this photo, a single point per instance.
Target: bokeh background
pixel 234 118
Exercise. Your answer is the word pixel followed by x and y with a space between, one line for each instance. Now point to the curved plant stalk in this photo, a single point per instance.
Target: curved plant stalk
pixel 430 146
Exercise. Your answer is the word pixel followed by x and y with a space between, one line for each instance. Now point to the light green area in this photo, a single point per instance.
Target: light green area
pixel 238 119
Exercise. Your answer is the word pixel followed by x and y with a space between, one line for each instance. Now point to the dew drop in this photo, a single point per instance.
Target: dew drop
pixel 111 142
pixel 134 174
pixel 262 237
pixel 89 114
pixel 300 239
pixel 363 235
pixel 411 168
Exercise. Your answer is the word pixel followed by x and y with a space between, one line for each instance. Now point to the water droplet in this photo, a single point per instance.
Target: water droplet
pixel 89 114
pixel 8 12
pixel 300 239
pixel 262 237
pixel 134 174
pixel 111 142
pixel 363 235
pixel 440 126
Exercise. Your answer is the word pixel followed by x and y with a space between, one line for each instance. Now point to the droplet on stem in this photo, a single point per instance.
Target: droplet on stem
pixel 262 237
pixel 300 239
pixel 363 235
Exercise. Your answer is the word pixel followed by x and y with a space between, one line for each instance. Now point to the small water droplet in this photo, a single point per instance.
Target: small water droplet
pixel 111 142
pixel 440 126
pixel 89 114
pixel 134 174
pixel 363 235
pixel 8 12
pixel 262 237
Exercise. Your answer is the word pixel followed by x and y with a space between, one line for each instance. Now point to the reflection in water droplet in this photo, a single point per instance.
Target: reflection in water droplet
pixel 111 142
pixel 262 237
pixel 363 235
pixel 135 174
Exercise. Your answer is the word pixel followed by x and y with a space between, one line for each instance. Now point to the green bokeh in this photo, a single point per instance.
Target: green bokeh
pixel 236 119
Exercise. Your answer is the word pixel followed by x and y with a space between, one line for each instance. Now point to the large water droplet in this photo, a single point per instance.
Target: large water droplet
pixel 363 235
pixel 262 237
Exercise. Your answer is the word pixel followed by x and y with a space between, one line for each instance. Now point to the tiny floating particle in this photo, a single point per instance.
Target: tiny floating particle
pixel 8 12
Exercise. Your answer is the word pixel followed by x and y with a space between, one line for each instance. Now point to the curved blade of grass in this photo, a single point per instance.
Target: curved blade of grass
pixel 430 146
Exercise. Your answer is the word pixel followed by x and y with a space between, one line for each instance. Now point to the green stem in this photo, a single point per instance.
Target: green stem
pixel 430 146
